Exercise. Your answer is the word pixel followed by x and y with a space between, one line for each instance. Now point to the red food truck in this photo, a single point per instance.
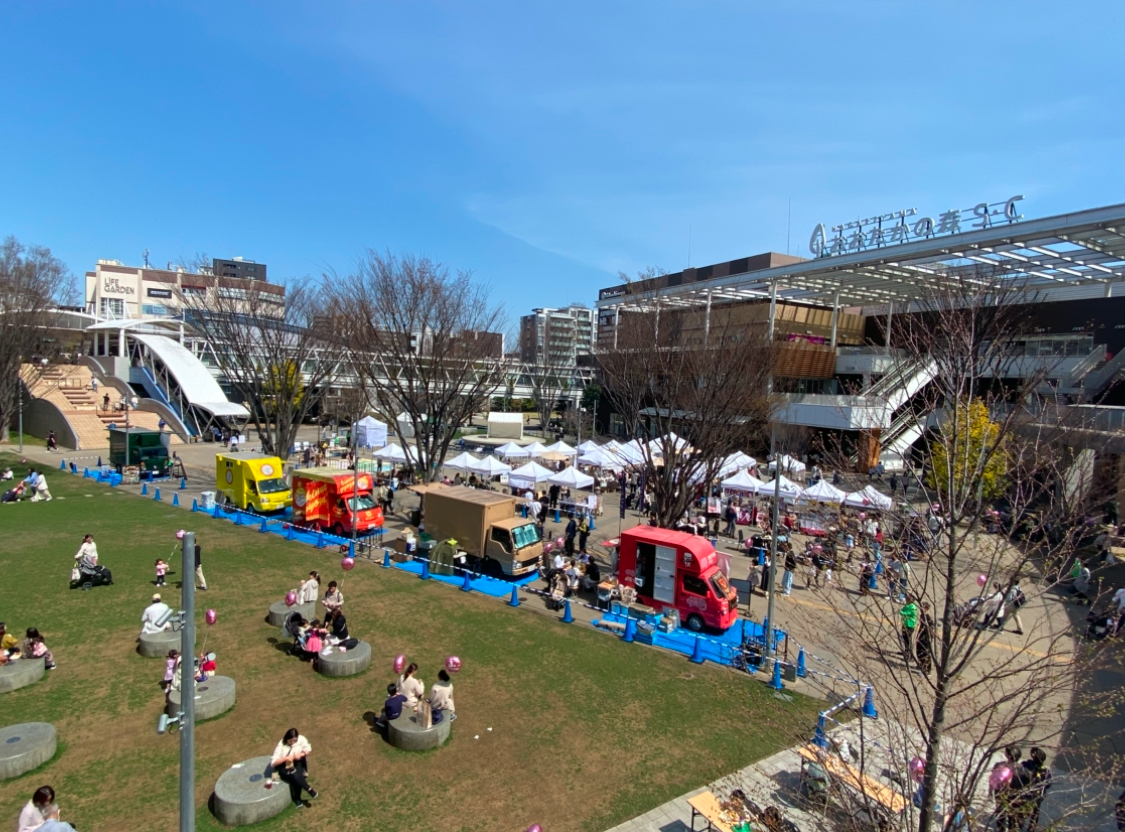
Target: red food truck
pixel 676 569
pixel 328 499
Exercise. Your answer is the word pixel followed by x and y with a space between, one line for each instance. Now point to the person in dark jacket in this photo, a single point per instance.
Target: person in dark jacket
pixel 1036 779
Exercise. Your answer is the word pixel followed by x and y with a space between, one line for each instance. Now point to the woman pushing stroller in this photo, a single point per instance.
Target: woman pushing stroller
pixel 86 567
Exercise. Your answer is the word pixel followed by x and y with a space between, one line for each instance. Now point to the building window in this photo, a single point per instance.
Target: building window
pixel 113 308
pixel 153 309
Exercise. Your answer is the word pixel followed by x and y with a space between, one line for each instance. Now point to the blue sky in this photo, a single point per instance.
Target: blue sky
pixel 545 147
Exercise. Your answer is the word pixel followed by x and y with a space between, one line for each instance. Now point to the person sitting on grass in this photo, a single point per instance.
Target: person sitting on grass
pixel 441 698
pixel 34 647
pixel 392 708
pixel 14 495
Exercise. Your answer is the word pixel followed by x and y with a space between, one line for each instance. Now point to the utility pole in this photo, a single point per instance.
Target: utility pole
pixel 19 391
pixel 773 543
pixel 187 687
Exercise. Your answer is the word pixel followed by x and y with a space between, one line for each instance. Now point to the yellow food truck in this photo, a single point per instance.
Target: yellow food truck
pixel 254 482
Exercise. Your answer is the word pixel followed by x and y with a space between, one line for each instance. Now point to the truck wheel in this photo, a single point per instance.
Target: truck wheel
pixel 695 623
pixel 338 530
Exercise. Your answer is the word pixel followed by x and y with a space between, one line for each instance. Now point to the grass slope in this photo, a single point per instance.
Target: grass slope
pixel 586 731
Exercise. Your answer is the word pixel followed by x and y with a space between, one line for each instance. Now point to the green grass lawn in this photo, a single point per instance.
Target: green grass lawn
pixel 586 731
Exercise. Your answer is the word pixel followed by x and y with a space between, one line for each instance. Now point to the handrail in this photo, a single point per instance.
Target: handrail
pixel 1097 380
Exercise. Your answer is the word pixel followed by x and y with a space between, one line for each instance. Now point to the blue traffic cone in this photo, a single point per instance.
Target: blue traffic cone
pixel 869 704
pixel 194 504
pixel 175 499
pixel 73 468
pixel 291 533
pixel 425 570
pixel 238 518
pixel 351 545
pixel 592 522
pixel 86 473
pixel 183 483
pixel 386 558
pixel 801 671
pixel 630 630
pixel 156 494
pixel 467 586
pixel 775 682
pixel 515 602
pixel 320 538
pixel 820 738
pixel 567 617
pixel 557 516
pixel 62 464
pixel 99 462
pixel 218 511
pixel 265 523
pixel 523 510
pixel 697 651
pixel 144 489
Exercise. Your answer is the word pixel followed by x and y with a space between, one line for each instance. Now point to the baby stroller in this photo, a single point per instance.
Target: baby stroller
pixel 87 578
pixel 556 591
pixel 1099 624
pixel 291 628
pixel 965 614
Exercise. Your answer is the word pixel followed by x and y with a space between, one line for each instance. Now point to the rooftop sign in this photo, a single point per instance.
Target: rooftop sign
pixel 906 227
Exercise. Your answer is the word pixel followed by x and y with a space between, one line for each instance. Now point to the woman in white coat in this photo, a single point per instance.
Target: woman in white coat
pixel 410 686
pixel 309 590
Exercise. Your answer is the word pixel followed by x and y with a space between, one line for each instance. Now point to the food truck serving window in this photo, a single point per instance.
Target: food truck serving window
pixel 525 535
pixel 722 588
pixel 695 585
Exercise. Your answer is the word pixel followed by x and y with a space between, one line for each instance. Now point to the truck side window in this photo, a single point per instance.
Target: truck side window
pixel 502 537
pixel 695 585
pixel 251 487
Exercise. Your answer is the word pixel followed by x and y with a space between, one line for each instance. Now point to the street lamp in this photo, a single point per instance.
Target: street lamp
pixel 127 402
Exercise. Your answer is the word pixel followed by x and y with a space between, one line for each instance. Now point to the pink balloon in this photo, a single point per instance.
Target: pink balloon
pixel 453 664
pixel 982 580
pixel 347 564
pixel 180 534
pixel 999 778
pixel 400 663
pixel 559 541
pixel 535 827
pixel 211 616
pixel 290 598
pixel 548 546
pixel 863 515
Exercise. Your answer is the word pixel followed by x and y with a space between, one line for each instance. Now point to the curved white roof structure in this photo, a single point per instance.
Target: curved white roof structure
pixel 198 385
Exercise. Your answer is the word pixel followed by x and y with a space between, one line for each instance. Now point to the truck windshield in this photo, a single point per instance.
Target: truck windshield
pixel 722 588
pixel 272 486
pixel 362 503
pixel 525 535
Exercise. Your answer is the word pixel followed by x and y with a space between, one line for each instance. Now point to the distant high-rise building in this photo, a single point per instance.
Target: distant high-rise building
pixel 556 337
pixel 238 267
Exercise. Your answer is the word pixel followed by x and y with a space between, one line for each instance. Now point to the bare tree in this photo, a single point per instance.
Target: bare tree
pixel 695 391
pixel 32 281
pixel 549 383
pixel 428 347
pixel 991 468
pixel 278 351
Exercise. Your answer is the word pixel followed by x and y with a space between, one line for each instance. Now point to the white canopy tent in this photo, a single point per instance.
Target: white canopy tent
pixel 490 466
pixel 680 444
pixel 390 453
pixel 370 433
pixel 505 425
pixel 631 453
pixel 529 475
pixel 571 478
pixel 788 465
pixel 461 462
pixel 823 492
pixel 869 497
pixel 742 481
pixel 511 450
pixel 789 489
pixel 599 459
pixel 561 447
pixel 535 448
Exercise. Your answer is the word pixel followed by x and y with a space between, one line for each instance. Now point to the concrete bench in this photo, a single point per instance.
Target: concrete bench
pixel 279 611
pixel 242 796
pixel 21 673
pixel 405 733
pixel 212 698
pixel 157 645
pixel 350 663
pixel 25 747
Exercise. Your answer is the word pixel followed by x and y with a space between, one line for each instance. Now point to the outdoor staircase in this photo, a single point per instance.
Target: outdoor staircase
pixel 68 388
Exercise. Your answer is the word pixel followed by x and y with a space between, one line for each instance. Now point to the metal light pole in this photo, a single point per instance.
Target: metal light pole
pixel 773 542
pixel 355 486
pixel 19 391
pixel 187 687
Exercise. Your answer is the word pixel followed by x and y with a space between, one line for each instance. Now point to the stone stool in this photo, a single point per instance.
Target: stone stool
pixel 157 645
pixel 212 698
pixel 25 747
pixel 241 796
pixel 405 733
pixel 349 663
pixel 279 611
pixel 21 673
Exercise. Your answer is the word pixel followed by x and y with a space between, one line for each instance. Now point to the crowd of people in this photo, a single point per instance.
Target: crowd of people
pixel 33 487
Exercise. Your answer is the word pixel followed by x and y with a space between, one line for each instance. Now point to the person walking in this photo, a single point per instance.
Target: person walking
pixel 583 532
pixel 202 581
pixel 909 616
pixel 290 762
pixel 924 639
pixel 571 531
pixel 790 570
pixel 730 516
pixel 1011 607
pixel 1037 780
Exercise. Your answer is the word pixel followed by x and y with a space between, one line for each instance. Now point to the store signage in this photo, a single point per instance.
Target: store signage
pixel 159 293
pixel 907 227
pixel 112 286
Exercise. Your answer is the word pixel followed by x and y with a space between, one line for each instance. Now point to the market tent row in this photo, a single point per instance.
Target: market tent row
pixel 529 475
